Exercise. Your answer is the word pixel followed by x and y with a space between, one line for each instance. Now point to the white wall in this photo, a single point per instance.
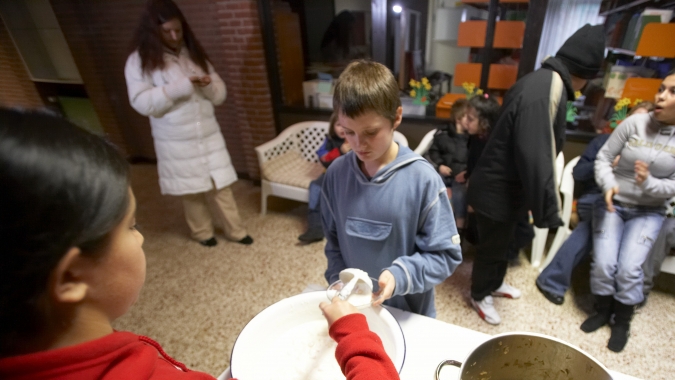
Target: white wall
pixel 443 55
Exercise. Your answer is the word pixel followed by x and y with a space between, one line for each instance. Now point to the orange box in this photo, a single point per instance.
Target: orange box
pixel 657 40
pixel 445 103
pixel 502 77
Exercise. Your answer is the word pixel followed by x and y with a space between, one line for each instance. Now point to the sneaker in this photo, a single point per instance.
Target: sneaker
pixel 246 241
pixel 506 290
pixel 209 242
pixel 486 310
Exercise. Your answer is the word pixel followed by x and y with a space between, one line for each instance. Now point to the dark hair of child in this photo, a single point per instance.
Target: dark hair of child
pixel 488 111
pixel 458 109
pixel 62 187
pixel 331 126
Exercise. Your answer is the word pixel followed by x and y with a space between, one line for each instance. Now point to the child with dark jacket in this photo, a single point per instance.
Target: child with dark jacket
pixel 448 154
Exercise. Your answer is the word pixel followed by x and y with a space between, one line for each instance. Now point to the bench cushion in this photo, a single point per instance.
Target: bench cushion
pixel 291 169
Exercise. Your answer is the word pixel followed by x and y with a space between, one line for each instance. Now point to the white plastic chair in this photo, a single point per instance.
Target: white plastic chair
pixel 567 193
pixel 540 234
pixel 400 138
pixel 291 159
pixel 425 144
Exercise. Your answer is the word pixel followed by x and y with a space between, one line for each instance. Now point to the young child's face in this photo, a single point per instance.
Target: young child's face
pixel 665 101
pixel 471 121
pixel 370 135
pixel 119 273
pixel 339 131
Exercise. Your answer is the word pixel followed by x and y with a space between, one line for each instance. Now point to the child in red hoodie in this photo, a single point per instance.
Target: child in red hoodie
pixel 73 262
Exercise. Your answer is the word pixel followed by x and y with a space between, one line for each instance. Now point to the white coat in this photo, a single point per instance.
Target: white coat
pixel 189 145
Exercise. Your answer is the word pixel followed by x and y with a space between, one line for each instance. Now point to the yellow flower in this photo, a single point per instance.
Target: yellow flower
pixel 413 93
pixel 637 101
pixel 577 94
pixel 427 86
pixel 479 92
pixel 412 83
pixel 425 81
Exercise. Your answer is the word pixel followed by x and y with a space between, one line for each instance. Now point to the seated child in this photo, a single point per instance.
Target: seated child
pixel 333 147
pixel 73 262
pixel 385 209
pixel 448 153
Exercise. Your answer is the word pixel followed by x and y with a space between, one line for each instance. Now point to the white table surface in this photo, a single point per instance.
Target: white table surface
pixel 429 341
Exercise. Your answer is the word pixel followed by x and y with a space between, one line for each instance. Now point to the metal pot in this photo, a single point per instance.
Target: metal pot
pixel 526 356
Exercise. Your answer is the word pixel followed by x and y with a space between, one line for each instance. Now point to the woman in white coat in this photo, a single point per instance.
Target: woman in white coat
pixel 170 80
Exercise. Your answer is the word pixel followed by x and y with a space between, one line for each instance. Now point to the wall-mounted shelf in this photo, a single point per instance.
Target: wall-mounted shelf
pixel 501 77
pixel 657 40
pixel 508 34
pixel 641 88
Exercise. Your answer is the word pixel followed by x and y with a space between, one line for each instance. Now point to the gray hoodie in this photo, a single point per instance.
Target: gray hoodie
pixel 639 137
pixel 399 220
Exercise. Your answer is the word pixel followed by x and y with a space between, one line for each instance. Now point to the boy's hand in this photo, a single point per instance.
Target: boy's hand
pixel 641 171
pixel 387 284
pixel 345 147
pixel 444 170
pixel 461 177
pixel 336 309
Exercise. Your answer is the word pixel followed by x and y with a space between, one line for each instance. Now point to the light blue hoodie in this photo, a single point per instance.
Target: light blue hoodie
pixel 399 220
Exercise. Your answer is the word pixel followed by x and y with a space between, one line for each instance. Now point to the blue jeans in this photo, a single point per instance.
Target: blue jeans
pixel 315 192
pixel 557 276
pixel 622 241
pixel 458 200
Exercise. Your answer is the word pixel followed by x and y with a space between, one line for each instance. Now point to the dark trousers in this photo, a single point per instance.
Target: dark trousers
pixel 490 263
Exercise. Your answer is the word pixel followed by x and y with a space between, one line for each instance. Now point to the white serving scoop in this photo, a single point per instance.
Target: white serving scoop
pixel 356 287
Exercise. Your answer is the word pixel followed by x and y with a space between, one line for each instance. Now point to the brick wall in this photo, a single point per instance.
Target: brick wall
pixel 16 87
pixel 99 33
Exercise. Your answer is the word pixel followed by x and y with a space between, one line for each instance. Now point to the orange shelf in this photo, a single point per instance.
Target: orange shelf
pixel 657 40
pixel 471 34
pixel 508 34
pixel 502 77
pixel 641 88
pixel 445 104
pixel 467 73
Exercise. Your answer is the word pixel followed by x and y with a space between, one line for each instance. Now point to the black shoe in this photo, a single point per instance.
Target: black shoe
pixel 246 241
pixel 621 329
pixel 556 299
pixel 209 242
pixel 604 306
pixel 312 235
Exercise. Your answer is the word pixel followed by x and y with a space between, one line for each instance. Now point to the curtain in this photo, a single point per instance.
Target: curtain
pixel 563 18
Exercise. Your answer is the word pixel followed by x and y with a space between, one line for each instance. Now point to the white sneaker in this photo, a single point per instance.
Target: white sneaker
pixel 486 310
pixel 506 290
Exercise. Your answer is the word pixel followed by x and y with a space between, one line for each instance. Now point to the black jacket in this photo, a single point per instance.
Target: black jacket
pixel 516 171
pixel 449 148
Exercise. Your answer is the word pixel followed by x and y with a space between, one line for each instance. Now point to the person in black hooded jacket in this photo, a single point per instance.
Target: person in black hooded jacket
pixel 448 153
pixel 516 171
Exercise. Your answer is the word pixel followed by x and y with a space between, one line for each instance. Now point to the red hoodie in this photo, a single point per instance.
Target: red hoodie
pixel 123 355
pixel 120 355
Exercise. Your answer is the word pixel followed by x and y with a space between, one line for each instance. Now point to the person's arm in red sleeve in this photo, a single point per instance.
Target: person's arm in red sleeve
pixel 360 352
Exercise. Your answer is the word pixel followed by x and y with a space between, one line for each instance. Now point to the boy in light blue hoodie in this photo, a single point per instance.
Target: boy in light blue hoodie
pixel 384 208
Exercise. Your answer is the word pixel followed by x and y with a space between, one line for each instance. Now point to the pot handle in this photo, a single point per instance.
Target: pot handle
pixel 444 363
